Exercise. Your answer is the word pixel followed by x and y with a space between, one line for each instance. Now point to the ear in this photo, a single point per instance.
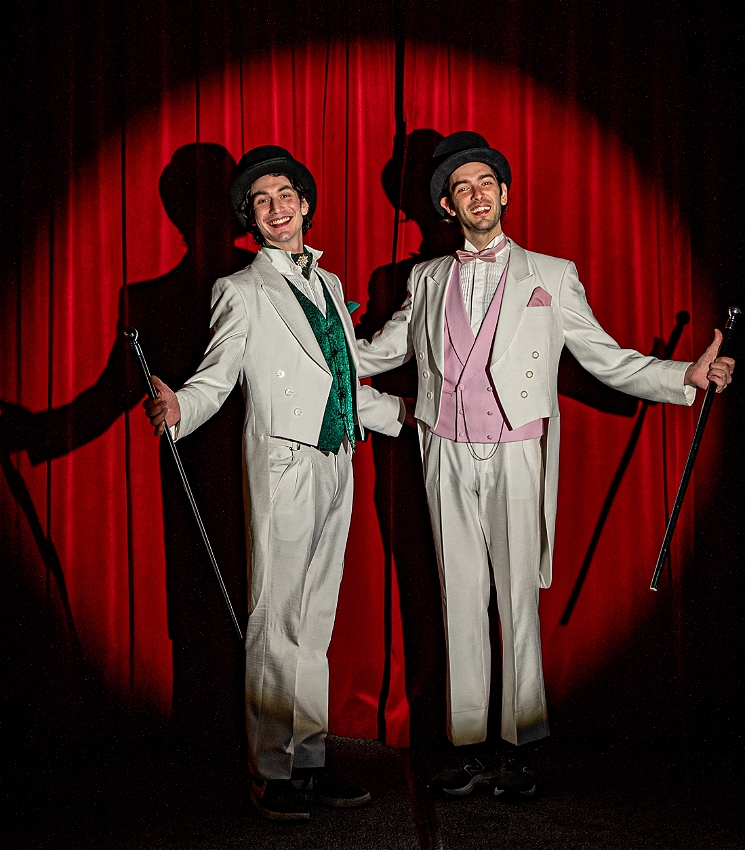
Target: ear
pixel 304 207
pixel 504 196
pixel 445 204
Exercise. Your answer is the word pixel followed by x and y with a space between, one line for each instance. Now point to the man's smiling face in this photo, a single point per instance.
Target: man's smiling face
pixel 476 199
pixel 278 212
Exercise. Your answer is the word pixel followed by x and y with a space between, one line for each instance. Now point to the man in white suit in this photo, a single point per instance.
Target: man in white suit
pixel 487 326
pixel 281 330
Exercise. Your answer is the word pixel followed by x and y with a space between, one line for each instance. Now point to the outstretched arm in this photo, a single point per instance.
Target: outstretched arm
pixel 709 367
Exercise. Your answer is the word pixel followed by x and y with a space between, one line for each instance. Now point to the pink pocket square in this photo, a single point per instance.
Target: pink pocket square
pixel 539 298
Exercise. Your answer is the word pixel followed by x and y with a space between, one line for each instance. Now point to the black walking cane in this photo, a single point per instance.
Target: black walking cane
pixel 131 334
pixel 734 312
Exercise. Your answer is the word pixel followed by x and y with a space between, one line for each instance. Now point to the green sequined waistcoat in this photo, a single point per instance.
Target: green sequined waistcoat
pixel 338 418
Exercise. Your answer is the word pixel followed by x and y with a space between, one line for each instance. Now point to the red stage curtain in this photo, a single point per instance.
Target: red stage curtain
pixel 130 88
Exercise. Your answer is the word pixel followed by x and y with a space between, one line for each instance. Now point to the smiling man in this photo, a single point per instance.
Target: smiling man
pixel 282 331
pixel 487 326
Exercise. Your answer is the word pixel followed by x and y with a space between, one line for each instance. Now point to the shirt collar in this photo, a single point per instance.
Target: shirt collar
pixel 469 247
pixel 282 261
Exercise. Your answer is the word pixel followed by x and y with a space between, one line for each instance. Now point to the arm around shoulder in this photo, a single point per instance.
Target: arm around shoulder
pixel 391 346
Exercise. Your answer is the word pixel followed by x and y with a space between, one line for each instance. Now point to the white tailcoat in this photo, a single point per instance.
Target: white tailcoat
pixel 261 339
pixel 528 340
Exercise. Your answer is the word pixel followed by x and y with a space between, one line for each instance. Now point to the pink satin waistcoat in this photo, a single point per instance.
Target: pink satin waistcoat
pixel 469 410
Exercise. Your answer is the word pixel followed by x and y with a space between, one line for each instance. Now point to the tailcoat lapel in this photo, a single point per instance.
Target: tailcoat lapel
pixel 517 290
pixel 436 285
pixel 337 296
pixel 277 290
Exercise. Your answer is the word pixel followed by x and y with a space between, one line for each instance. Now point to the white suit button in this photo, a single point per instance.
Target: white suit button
pixel 429 395
pixel 297 411
pixel 536 355
pixel 280 373
pixel 528 374
pixel 421 355
pixel 524 394
pixel 425 374
pixel 289 391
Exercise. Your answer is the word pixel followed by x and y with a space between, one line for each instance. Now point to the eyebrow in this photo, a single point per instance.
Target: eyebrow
pixel 281 189
pixel 480 177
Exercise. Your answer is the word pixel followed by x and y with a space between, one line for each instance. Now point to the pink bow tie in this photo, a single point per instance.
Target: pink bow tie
pixel 488 254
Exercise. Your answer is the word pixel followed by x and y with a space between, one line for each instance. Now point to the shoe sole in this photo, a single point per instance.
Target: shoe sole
pixel 530 793
pixel 270 814
pixel 478 779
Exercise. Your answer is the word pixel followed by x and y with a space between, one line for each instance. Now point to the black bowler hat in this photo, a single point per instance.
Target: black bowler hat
pixel 269 159
pixel 457 149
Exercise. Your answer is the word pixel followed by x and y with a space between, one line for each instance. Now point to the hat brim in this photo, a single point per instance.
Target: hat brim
pixel 279 165
pixel 438 185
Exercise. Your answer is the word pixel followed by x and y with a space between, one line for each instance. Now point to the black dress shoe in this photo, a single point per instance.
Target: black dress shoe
pixel 278 799
pixel 467 770
pixel 316 786
pixel 515 777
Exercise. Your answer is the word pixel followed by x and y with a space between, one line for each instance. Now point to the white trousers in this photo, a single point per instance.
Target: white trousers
pixel 489 512
pixel 289 630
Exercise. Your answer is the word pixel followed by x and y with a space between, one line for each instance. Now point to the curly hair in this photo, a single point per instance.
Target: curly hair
pixel 247 209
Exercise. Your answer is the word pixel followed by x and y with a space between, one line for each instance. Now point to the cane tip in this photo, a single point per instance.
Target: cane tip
pixel 131 333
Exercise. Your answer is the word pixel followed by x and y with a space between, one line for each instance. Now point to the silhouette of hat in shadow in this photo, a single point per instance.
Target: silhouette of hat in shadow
pixel 407 173
pixel 195 190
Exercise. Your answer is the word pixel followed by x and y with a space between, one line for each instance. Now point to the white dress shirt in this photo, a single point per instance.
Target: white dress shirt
pixel 479 281
pixel 284 264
